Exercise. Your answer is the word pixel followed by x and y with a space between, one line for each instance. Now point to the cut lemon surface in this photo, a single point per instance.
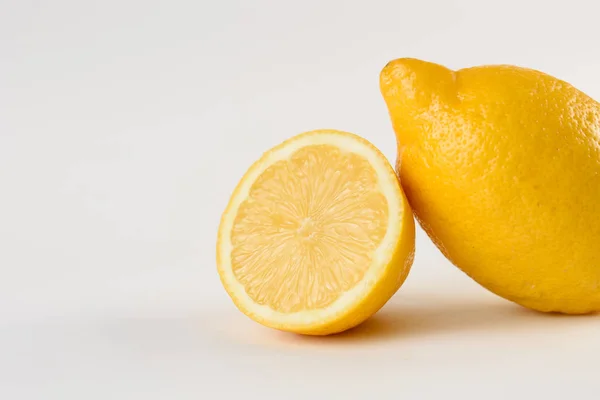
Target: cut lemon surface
pixel 317 235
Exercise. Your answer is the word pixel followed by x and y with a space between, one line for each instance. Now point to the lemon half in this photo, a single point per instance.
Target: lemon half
pixel 317 235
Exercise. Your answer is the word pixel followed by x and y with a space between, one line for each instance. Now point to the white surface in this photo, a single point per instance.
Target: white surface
pixel 125 125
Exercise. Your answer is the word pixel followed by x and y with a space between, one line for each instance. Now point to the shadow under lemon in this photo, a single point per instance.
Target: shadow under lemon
pixel 411 316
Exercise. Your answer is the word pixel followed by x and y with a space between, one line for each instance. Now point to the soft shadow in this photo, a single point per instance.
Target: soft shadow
pixel 412 316
pixel 404 320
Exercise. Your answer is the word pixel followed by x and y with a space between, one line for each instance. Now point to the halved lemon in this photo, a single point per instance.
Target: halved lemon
pixel 317 235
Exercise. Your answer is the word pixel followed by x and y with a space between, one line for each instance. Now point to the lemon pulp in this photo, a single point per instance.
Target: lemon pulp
pixel 308 229
pixel 317 236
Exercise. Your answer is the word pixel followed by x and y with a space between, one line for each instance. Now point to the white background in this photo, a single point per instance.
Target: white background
pixel 124 127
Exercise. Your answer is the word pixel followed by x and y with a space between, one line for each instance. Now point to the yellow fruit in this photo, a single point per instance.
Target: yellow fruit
pixel 501 166
pixel 317 235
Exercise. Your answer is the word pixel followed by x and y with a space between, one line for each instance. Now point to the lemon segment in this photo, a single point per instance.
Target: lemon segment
pixel 317 236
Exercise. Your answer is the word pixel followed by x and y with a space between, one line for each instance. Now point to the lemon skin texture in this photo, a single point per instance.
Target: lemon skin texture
pixel 501 166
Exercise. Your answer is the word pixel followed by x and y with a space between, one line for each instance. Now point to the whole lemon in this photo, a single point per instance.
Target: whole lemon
pixel 501 166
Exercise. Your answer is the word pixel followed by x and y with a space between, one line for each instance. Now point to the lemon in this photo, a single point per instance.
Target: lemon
pixel 317 236
pixel 501 166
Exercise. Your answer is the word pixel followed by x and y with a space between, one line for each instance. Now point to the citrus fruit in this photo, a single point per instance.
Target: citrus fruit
pixel 317 235
pixel 501 165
